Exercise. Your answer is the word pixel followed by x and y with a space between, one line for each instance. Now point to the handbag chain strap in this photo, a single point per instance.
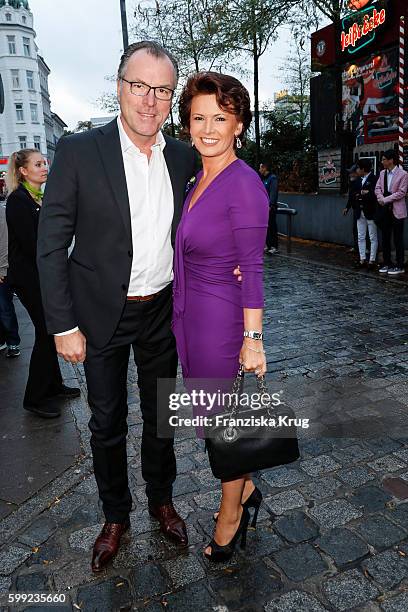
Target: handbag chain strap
pixel 237 387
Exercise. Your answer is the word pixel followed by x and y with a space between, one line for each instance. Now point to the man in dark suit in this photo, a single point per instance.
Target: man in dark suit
pixel 352 204
pixel 366 211
pixel 119 190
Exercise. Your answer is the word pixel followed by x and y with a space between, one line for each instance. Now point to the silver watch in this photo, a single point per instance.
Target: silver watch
pixel 255 335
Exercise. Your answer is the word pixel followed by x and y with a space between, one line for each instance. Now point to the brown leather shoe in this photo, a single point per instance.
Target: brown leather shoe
pixel 171 524
pixel 107 544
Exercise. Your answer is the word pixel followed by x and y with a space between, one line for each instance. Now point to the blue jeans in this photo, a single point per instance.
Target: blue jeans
pixel 8 319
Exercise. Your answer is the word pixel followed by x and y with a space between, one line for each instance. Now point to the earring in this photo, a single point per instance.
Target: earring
pixel 192 143
pixel 238 142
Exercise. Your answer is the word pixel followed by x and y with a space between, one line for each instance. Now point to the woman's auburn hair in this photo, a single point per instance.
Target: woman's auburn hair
pixel 231 96
pixel 17 160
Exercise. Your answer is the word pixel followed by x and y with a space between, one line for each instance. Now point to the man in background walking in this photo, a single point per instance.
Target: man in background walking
pixel 272 187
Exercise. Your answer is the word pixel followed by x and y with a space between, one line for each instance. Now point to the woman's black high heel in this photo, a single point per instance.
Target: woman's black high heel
pixel 253 501
pixel 224 553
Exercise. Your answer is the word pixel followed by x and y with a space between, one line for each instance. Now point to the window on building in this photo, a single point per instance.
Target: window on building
pixel 15 77
pixel 23 142
pixel 37 142
pixel 34 113
pixel 24 19
pixel 30 79
pixel 11 44
pixel 26 46
pixel 19 112
pixel 8 16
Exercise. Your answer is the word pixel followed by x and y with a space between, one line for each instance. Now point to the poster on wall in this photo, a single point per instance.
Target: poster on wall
pixel 370 88
pixel 329 169
pixel 383 126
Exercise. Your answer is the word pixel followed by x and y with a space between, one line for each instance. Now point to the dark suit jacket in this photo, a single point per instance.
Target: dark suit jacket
pixel 22 214
pixel 354 190
pixel 86 196
pixel 368 202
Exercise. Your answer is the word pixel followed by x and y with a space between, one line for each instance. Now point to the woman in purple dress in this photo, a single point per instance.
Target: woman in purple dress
pixel 223 226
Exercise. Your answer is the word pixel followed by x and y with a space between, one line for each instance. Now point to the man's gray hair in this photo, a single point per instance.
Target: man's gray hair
pixel 151 47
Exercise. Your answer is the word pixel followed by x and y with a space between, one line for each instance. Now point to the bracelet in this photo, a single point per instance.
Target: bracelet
pixel 255 351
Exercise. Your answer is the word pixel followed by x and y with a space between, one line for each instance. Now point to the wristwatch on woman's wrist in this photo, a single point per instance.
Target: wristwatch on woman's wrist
pixel 254 335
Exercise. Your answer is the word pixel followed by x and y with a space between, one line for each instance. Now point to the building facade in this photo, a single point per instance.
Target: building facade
pixel 27 119
pixel 355 98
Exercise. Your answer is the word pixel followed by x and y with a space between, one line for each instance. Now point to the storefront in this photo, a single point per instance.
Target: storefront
pixel 356 107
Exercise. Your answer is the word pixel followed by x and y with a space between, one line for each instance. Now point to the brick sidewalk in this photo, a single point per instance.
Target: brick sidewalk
pixel 333 531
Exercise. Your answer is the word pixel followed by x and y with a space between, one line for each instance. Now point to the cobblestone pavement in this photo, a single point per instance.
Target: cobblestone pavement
pixel 333 531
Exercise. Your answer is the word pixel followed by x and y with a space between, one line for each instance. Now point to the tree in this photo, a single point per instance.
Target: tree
pixel 190 29
pixel 290 153
pixel 251 26
pixel 297 80
pixel 83 126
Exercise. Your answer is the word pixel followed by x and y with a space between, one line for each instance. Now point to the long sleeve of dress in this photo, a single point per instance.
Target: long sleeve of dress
pixel 249 212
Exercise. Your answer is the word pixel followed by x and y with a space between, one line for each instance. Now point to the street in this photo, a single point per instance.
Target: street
pixel 333 529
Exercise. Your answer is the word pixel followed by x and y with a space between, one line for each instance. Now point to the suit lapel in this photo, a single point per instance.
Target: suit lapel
pixel 177 183
pixel 111 153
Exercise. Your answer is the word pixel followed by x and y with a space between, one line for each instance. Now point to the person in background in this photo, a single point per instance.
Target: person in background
pixel 9 337
pixel 365 213
pixel 272 187
pixel 391 191
pixel 27 171
pixel 354 190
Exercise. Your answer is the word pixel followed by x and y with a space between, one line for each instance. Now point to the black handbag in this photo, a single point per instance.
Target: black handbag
pixel 235 447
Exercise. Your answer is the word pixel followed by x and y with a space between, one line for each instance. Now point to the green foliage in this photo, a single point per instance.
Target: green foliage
pixel 287 147
pixel 193 30
pixel 83 126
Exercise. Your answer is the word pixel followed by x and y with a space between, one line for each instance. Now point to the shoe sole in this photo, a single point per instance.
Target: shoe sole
pixel 13 356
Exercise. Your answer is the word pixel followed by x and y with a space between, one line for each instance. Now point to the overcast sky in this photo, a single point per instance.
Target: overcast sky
pixel 81 41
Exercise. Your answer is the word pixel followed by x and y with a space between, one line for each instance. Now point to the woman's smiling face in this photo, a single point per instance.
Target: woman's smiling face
pixel 212 129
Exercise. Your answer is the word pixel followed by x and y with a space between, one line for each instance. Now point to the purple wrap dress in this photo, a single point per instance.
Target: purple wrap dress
pixel 226 227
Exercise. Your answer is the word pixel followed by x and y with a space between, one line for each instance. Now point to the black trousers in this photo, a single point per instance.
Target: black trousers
pixel 393 227
pixel 146 327
pixel 44 376
pixel 272 233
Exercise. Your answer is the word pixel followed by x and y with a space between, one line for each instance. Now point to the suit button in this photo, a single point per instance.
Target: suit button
pixel 124 287
pixel 130 253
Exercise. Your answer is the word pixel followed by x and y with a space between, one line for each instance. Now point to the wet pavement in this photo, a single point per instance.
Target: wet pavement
pixel 333 530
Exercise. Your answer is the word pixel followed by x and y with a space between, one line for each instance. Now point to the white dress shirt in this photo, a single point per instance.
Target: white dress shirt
pixel 151 215
pixel 390 176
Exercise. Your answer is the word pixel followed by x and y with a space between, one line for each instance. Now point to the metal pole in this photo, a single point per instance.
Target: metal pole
pixel 401 88
pixel 124 24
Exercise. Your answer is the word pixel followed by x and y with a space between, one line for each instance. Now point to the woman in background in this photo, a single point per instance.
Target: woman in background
pixel 27 171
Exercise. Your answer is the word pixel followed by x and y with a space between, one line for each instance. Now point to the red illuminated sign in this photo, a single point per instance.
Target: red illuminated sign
pixel 359 35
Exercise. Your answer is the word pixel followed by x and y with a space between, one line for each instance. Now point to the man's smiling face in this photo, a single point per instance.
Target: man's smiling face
pixel 143 116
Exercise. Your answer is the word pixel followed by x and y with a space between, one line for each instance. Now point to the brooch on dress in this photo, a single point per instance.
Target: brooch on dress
pixel 190 184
